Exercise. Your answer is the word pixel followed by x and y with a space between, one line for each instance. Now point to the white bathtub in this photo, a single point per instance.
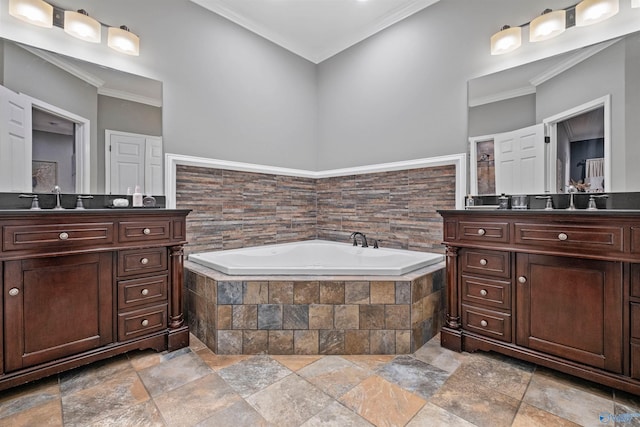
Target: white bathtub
pixel 316 257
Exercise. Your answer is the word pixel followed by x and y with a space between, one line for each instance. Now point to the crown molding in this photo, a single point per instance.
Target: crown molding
pixel 573 60
pixel 501 96
pixel 128 96
pixel 65 66
pixel 357 35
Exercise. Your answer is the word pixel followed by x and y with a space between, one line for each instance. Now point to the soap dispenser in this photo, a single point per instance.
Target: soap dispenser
pixel 137 197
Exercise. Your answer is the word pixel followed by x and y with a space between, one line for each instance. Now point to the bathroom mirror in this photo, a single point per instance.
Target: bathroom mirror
pixel 578 107
pixel 75 112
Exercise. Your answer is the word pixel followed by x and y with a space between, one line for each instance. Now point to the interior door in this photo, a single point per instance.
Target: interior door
pixel 134 159
pixel 15 142
pixel 520 161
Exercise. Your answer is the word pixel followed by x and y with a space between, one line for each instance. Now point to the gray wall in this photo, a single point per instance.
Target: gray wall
pixel 632 111
pixel 232 95
pixel 502 116
pixel 57 148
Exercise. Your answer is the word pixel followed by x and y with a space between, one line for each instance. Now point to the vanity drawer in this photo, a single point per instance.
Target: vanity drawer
pixel 139 261
pixel 480 290
pixel 133 324
pixel 56 236
pixel 144 231
pixel 577 238
pixel 485 262
pixel 491 323
pixel 483 231
pixel 135 292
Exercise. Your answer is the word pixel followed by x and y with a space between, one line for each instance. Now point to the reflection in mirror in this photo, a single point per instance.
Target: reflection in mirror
pixel 84 127
pixel 579 100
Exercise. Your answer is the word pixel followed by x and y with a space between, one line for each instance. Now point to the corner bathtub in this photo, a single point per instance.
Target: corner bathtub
pixel 316 257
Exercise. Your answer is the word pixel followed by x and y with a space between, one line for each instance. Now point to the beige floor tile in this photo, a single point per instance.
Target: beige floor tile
pixel 46 415
pixel 475 403
pixel 530 416
pixel 145 414
pixel 217 361
pixel 434 354
pixel 382 403
pixel 434 416
pixel 238 414
pixel 196 401
pixel 334 375
pixel 336 415
pixel 289 402
pixel 144 359
pixel 174 372
pixel 295 363
pixel 372 362
pixel 27 396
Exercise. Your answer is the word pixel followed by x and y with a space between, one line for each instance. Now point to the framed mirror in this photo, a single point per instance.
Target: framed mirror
pixel 84 127
pixel 567 119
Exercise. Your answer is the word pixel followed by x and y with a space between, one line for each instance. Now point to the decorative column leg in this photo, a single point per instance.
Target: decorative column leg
pixel 451 334
pixel 452 316
pixel 178 331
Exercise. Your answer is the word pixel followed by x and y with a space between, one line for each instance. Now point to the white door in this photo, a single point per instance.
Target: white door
pixel 15 142
pixel 133 160
pixel 520 161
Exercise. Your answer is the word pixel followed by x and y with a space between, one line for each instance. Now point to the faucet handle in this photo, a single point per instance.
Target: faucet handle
pixel 35 204
pixel 375 243
pixel 79 204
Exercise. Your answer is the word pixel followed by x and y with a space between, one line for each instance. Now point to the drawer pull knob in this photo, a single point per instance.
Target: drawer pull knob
pixel 522 279
pixel 14 292
pixel 483 292
pixel 145 292
pixel 146 231
pixel 483 261
pixel 483 323
pixel 144 261
pixel 481 231
pixel 562 236
pixel 145 322
pixel 63 236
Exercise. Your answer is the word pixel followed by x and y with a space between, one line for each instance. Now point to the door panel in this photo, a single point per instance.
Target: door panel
pixel 15 142
pixel 519 159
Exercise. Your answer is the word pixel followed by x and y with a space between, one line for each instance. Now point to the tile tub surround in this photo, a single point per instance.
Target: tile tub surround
pixel 312 314
pixel 233 209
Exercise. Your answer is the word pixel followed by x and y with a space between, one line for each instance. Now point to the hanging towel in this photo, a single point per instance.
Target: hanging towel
pixel 594 175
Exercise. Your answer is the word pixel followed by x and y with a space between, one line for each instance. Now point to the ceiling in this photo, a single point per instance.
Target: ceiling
pixel 315 29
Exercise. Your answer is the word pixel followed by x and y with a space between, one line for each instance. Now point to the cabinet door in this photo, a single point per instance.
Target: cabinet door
pixel 55 307
pixel 571 308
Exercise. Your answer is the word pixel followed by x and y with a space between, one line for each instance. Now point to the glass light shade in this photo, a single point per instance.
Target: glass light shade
pixel 35 12
pixel 123 41
pixel 547 25
pixel 635 3
pixel 590 12
pixel 506 40
pixel 81 26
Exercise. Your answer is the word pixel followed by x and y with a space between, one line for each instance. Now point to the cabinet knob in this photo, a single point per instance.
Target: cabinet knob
pixel 63 236
pixel 483 261
pixel 146 231
pixel 14 291
pixel 522 279
pixel 145 292
pixel 483 323
pixel 144 261
pixel 481 231
pixel 145 322
pixel 562 236
pixel 483 292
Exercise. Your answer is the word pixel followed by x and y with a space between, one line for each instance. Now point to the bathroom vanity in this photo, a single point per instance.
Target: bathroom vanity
pixel 84 285
pixel 557 288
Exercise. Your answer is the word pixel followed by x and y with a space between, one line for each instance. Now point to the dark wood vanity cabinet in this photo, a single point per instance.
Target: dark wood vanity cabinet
pixel 556 288
pixel 83 286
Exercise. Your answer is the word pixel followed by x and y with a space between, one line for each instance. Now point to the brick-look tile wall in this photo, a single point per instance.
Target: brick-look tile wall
pixel 239 209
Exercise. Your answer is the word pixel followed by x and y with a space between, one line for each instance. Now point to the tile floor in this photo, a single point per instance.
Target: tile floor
pixel 432 387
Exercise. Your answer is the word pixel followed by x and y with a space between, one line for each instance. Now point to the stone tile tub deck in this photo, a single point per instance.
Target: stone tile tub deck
pixel 314 314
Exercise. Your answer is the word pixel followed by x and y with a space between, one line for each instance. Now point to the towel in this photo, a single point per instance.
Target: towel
pixel 594 175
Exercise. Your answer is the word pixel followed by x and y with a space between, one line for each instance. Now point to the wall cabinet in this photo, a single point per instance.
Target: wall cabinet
pixel 81 286
pixel 556 288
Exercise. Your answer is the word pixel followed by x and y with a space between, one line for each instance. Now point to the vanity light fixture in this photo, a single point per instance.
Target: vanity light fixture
pixel 80 25
pixel 123 40
pixel 590 12
pixel 36 12
pixel 550 24
pixel 506 40
pixel 77 24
